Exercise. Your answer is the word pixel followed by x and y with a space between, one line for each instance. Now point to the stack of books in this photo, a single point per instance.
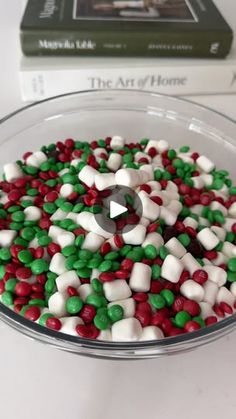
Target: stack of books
pixel 176 47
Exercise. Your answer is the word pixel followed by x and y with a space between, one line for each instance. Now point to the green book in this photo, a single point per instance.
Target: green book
pixel 128 28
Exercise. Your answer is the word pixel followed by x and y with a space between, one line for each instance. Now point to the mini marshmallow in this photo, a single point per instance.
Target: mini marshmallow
pixel 116 290
pixel 92 242
pixel 7 237
pixel 87 175
pixel 12 172
pixel 128 306
pixel 84 291
pixel 155 186
pixel 148 169
pixel 175 206
pixel 233 289
pixel 66 239
pixel 205 164
pixel 126 330
pixel 211 291
pixel 232 210
pixel 207 238
pixel 219 232
pixel 229 222
pixel 216 274
pixel 128 177
pixel 114 162
pixel 32 213
pixel 72 216
pixel 168 216
pixel 197 209
pixel 58 264
pixel 207 179
pixel 228 249
pixel 203 221
pixel 155 239
pixel 162 145
pixel 84 219
pixel 198 182
pixel 221 258
pixel 104 180
pixel 190 222
pixel 69 325
pixel 215 205
pixel 135 236
pixel 172 268
pixel 55 232
pixel 66 190
pixel 102 226
pixel 151 333
pixel 117 142
pixel 224 295
pixel 36 159
pixel 151 144
pixel 140 278
pixel 105 335
pixel 67 279
pixel 206 310
pixel 150 209
pixel 144 221
pixel 171 187
pixel 140 155
pixel 63 172
pixel 190 263
pixel 57 304
pixel 59 215
pixel 95 274
pixel 175 248
pixel 192 290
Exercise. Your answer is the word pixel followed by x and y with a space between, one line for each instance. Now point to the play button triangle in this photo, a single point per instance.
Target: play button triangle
pixel 116 209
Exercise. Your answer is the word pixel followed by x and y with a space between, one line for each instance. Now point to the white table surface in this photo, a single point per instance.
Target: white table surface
pixel 43 383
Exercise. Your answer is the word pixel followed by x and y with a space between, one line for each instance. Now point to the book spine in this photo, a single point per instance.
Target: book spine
pixel 160 44
pixel 173 80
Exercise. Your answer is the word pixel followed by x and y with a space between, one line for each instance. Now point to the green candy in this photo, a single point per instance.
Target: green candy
pixel 70 261
pixel 37 302
pixel 168 296
pixel 101 321
pixel 111 256
pixel 66 206
pixel 28 233
pixel 38 266
pixel 79 240
pixel 25 256
pixel 199 320
pixel 184 239
pixel 49 208
pixel 97 285
pixel 84 272
pixel 7 298
pixel 95 300
pixel 18 216
pixel 85 254
pixel 184 149
pixel 44 241
pixel 157 301
pixel 156 271
pixel 74 305
pixel 181 318
pixel 69 250
pixel 163 252
pixel 11 284
pixel 5 254
pixel 44 317
pixel 115 312
pixel 150 251
pixel 171 154
pixel 50 285
pixel 105 266
pixel 232 264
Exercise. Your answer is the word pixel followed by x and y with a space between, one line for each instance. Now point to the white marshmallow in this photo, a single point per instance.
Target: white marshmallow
pixel 117 142
pixel 216 274
pixel 57 264
pixel 135 236
pixel 150 209
pixel 69 325
pixel 66 190
pixel 168 216
pixel 57 304
pixel 198 182
pixel 92 242
pixel 59 215
pixel 148 169
pixel 32 213
pixel 104 180
pixel 215 205
pixel 84 219
pixel 186 157
pixel 140 155
pixel 151 333
pixel 207 238
pixel 206 310
pixel 192 290
pixel 224 295
pixel 84 291
pixel 128 177
pixel 72 216
pixel 229 222
pixel 190 222
pixel 197 209
pixel 155 239
pixel 36 159
pixel 67 279
pixel 228 249
pixel 221 258
pixel 190 263
pixel 100 220
pixel 175 206
pixel 172 268
pixel 54 232
pixel 203 221
pixel 155 186
pixel 12 172
pixel 105 335
pixel 126 330
pixel 207 179
pixel 114 161
pixel 232 210
pixel 205 164
pixel 140 278
pixel 87 175
pixel 116 290
pixel 128 306
pixel 66 239
pixel 219 232
pixel 151 144
pixel 175 247
pixel 144 221
pixel 233 289
pixel 211 290
pixel 162 145
pixel 7 237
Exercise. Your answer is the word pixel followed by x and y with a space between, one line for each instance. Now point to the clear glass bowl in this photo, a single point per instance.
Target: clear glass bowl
pixel 134 115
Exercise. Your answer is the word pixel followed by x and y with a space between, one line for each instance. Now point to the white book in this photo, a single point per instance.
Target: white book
pixel 43 77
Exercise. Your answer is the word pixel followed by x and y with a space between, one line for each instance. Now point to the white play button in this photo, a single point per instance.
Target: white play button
pixel 116 209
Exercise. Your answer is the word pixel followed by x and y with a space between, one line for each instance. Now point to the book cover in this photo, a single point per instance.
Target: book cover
pixel 148 28
pixel 43 77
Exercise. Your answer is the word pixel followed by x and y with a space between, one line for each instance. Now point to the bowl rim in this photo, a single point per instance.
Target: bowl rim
pixel 26 326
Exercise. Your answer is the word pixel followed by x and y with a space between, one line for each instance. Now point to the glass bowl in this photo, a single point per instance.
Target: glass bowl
pixel 134 115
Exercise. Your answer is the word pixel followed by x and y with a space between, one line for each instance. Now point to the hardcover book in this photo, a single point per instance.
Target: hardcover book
pixel 146 28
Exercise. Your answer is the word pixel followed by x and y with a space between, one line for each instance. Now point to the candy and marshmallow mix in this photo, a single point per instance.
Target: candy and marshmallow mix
pixel 167 271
